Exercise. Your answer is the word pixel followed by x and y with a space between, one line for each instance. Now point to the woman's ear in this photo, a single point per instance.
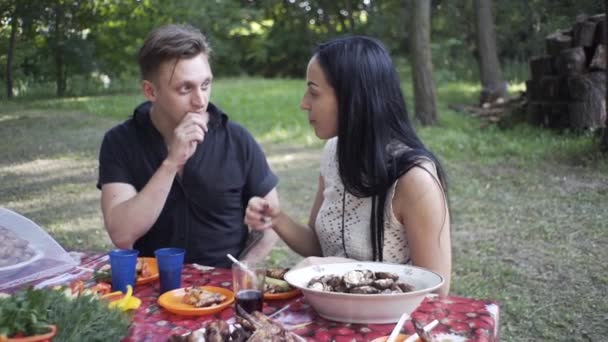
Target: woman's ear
pixel 149 90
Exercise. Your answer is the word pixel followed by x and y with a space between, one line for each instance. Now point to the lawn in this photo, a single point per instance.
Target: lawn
pixel 528 205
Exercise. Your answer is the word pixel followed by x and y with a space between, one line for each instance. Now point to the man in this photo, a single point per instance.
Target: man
pixel 178 173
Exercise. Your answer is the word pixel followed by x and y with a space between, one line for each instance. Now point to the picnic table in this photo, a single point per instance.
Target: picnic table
pixel 472 319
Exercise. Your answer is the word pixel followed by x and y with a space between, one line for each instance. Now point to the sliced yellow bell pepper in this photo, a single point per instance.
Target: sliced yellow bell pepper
pixel 128 302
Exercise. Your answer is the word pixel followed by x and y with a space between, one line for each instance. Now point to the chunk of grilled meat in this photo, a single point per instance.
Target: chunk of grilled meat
pixel 201 298
pixel 267 329
pixel 240 335
pixel 276 273
pixel 217 331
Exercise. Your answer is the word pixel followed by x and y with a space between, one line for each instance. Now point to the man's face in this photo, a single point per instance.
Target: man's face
pixel 182 86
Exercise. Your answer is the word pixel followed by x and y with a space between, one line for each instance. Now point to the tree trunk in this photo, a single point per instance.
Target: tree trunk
pixel 603 30
pixel 9 56
pixel 422 66
pixel 351 16
pixel 60 49
pixel 493 84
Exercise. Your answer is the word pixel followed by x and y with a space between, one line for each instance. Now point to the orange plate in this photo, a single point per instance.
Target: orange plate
pixel 113 297
pixel 400 338
pixel 153 267
pixel 36 338
pixel 172 302
pixel 281 295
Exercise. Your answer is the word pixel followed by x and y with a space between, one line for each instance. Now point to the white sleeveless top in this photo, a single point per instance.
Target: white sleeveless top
pixel 357 213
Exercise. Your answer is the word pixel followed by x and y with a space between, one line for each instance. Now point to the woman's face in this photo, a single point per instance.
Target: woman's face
pixel 320 102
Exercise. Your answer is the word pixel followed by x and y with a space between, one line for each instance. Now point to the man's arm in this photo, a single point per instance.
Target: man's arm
pixel 127 214
pixel 262 247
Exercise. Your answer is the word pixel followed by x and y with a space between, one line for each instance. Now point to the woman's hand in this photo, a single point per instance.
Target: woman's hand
pixel 261 214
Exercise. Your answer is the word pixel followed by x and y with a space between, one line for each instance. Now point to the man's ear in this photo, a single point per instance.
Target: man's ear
pixel 149 90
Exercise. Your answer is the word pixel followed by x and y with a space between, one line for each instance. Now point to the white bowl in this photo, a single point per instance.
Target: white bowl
pixel 365 308
pixel 8 271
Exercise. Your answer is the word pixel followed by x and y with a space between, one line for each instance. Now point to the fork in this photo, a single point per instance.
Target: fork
pixel 424 331
pixel 397 328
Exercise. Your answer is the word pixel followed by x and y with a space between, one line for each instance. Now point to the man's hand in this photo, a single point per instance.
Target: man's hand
pixel 260 213
pixel 187 135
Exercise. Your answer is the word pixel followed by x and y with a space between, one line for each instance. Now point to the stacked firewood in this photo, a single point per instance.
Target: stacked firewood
pixel 567 88
pixel 505 113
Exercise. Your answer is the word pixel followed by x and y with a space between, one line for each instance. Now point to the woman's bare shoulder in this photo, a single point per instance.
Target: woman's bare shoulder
pixel 418 186
pixel 419 193
pixel 419 178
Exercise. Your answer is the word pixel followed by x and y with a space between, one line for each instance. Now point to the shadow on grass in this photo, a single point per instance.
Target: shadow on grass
pixel 36 135
pixel 48 173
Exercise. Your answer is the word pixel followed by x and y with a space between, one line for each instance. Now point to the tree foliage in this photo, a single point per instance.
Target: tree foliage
pixel 73 43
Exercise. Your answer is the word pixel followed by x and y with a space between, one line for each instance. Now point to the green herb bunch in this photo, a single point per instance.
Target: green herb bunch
pixel 103 275
pixel 82 318
pixel 21 314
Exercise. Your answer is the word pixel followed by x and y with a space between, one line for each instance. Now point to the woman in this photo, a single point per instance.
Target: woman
pixel 381 193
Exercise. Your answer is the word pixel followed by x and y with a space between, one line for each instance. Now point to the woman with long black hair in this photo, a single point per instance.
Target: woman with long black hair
pixel 382 194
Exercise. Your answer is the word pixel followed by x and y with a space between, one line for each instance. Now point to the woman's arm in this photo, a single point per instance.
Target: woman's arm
pixel 263 246
pixel 421 206
pixel 262 215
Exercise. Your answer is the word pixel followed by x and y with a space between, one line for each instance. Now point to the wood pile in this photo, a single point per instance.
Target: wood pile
pixel 567 88
pixel 503 112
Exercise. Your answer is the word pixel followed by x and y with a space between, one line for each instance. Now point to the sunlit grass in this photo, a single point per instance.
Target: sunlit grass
pixel 113 106
pixel 270 110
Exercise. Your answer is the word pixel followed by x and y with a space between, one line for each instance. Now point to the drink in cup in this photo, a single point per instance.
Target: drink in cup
pixel 170 262
pixel 248 286
pixel 250 300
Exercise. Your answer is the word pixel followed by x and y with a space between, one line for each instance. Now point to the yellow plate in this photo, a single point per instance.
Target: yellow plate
pixel 172 302
pixel 153 267
pixel 281 295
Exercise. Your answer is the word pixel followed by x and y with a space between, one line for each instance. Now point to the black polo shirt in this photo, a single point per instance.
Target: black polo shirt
pixel 205 208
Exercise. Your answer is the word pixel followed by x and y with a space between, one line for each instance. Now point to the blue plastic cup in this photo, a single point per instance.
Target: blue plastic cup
pixel 123 262
pixel 170 262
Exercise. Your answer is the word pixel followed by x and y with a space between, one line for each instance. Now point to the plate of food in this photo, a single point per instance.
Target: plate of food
pixel 146 271
pixel 275 287
pixel 15 253
pixel 6 271
pixel 196 300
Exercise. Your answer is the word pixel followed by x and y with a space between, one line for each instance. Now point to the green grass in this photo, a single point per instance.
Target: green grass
pixel 528 205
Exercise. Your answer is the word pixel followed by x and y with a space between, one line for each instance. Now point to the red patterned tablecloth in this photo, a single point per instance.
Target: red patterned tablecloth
pixel 465 319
